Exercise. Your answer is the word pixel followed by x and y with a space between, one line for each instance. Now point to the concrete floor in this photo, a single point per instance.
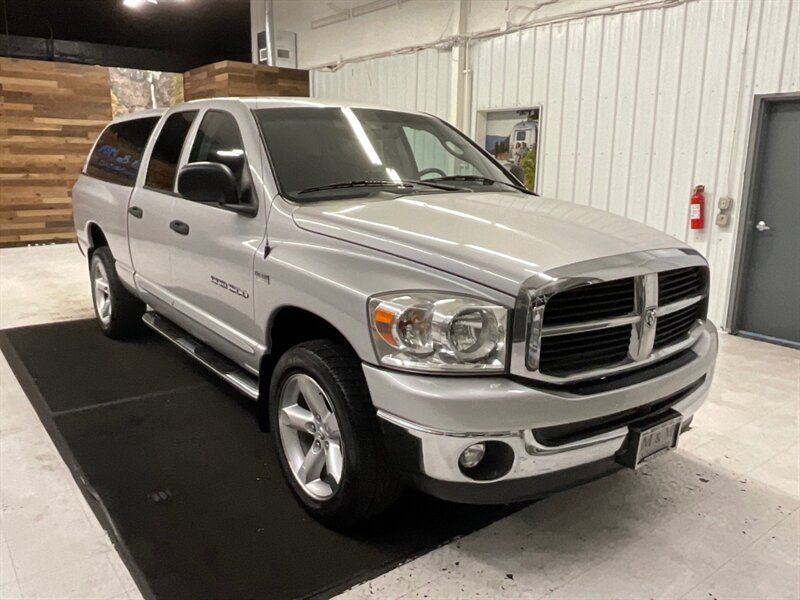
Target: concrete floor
pixel 718 518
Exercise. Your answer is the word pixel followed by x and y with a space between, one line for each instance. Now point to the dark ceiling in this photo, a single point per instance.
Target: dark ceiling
pixel 199 31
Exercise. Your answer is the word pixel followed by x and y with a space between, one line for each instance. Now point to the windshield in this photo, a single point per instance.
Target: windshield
pixel 331 152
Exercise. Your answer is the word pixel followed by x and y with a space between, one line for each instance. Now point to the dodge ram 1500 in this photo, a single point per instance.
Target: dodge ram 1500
pixel 403 310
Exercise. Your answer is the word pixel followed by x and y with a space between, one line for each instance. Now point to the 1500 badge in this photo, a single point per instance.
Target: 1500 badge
pixel 230 287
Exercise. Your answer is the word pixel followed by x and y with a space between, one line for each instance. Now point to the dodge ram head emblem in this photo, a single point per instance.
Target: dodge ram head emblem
pixel 650 317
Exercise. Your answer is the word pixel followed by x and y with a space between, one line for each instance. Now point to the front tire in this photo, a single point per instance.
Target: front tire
pixel 327 435
pixel 119 313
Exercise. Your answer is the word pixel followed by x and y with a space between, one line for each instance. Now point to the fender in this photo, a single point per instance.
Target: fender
pixel 334 279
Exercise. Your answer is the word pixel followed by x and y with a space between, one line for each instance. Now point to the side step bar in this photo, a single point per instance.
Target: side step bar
pixel 208 357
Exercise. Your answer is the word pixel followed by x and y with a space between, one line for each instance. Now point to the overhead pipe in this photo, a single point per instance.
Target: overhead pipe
pixel 617 8
pixel 269 32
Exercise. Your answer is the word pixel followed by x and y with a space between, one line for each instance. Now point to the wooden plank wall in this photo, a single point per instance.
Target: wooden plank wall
pixel 230 78
pixel 50 114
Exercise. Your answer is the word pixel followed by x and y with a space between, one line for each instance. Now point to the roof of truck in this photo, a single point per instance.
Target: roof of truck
pixel 262 102
pixel 140 114
pixel 289 102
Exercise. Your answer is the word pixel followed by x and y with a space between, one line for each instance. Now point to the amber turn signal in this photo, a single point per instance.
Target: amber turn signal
pixel 384 325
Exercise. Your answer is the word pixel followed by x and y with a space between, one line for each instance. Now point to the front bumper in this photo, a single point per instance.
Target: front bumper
pixel 429 421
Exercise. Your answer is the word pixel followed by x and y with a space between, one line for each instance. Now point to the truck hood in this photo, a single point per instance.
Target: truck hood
pixel 496 239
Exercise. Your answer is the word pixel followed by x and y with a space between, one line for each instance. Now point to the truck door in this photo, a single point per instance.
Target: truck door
pixel 150 211
pixel 213 248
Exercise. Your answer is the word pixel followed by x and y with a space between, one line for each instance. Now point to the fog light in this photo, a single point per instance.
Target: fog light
pixel 472 456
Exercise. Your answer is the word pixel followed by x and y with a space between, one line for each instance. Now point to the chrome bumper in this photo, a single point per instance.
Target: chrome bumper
pixel 459 412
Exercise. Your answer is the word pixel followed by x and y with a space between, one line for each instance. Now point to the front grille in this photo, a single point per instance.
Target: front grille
pixel 613 325
pixel 680 283
pixel 591 302
pixel 676 326
pixel 586 350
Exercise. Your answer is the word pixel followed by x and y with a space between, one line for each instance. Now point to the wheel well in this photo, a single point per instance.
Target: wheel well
pixel 288 327
pixel 97 239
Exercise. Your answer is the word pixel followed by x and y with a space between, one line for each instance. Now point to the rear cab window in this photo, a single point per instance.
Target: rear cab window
pixel 117 155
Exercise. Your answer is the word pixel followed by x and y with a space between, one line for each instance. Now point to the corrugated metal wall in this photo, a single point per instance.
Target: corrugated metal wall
pixel 418 81
pixel 640 107
pixel 637 108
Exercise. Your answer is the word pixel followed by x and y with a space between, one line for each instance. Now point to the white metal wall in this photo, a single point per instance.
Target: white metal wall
pixel 418 81
pixel 640 107
pixel 637 108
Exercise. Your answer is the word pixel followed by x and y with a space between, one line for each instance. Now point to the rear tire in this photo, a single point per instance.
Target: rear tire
pixel 320 406
pixel 119 313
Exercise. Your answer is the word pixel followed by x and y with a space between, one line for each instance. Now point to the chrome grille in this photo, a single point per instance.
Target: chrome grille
pixel 585 350
pixel 679 283
pixel 589 328
pixel 676 326
pixel 590 302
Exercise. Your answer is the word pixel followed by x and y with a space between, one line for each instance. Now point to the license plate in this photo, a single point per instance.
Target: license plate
pixel 650 438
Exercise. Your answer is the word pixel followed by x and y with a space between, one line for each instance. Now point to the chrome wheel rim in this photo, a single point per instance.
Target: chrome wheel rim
pixel 310 436
pixel 102 293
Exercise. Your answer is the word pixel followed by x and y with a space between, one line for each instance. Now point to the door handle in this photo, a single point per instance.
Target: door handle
pixel 761 226
pixel 179 227
pixel 136 211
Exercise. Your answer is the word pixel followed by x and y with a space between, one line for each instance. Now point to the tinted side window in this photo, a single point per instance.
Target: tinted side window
pixel 163 165
pixel 218 140
pixel 117 154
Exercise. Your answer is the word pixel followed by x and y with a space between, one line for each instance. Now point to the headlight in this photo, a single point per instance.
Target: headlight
pixel 429 331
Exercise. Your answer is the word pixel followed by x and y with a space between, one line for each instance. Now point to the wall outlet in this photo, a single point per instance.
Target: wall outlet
pixel 725 203
pixel 723 219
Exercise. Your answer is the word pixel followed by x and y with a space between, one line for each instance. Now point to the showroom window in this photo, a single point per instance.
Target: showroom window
pixel 163 165
pixel 117 155
pixel 218 140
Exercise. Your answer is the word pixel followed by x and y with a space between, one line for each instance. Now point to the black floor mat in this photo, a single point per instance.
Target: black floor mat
pixel 175 467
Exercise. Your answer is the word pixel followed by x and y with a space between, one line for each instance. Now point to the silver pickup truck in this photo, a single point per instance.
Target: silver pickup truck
pixel 403 310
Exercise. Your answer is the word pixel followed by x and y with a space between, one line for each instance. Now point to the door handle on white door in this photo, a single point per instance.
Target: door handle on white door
pixel 761 226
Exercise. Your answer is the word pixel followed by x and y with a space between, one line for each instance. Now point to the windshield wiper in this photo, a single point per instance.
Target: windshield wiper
pixel 352 184
pixel 481 179
pixel 404 183
pixel 438 186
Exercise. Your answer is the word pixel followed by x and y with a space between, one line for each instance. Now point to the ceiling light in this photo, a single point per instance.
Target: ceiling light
pixel 335 18
pixel 363 9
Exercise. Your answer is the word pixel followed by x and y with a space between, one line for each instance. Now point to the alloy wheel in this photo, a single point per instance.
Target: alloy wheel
pixel 102 292
pixel 310 436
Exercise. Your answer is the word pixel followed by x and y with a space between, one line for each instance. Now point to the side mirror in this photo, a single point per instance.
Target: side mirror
pixel 517 172
pixel 208 182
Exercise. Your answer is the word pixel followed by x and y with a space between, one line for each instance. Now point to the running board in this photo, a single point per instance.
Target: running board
pixel 208 357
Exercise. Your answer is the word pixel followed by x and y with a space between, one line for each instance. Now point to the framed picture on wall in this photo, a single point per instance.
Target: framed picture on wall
pixel 133 90
pixel 512 137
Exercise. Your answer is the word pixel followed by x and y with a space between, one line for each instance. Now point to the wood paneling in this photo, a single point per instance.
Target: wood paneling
pixel 50 114
pixel 229 78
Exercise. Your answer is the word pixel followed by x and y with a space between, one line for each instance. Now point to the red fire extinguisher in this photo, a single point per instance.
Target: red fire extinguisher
pixel 697 208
